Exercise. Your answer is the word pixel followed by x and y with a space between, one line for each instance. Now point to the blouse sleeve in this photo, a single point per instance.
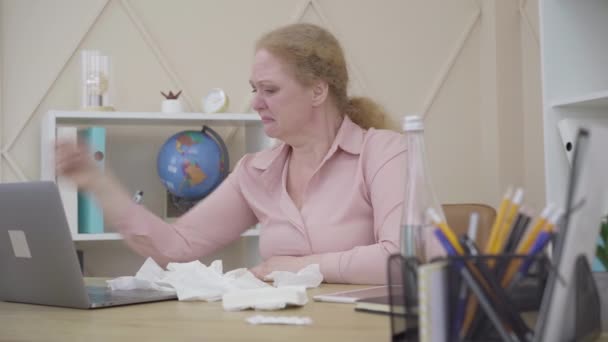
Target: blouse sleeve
pixel 210 225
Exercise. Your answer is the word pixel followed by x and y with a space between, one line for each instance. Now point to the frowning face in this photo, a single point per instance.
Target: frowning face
pixel 284 104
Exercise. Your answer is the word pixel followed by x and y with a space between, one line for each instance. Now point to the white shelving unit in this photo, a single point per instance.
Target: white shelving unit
pixel 254 138
pixel 574 60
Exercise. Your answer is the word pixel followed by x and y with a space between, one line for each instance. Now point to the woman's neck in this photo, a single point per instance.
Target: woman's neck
pixel 311 147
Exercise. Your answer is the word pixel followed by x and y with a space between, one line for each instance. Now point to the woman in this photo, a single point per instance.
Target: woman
pixel 330 193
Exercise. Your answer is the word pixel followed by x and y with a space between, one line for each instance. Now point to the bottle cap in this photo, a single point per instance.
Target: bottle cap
pixel 412 123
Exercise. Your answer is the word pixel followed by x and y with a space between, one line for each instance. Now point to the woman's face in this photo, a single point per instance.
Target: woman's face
pixel 283 104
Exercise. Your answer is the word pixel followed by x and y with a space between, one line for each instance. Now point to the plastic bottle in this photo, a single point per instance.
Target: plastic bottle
pixel 419 195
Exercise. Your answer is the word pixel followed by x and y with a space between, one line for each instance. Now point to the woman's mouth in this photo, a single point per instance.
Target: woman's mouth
pixel 267 119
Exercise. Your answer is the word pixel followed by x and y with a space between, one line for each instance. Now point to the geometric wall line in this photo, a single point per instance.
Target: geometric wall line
pixel 158 54
pixel 524 15
pixel 4 152
pixel 447 67
pixel 314 6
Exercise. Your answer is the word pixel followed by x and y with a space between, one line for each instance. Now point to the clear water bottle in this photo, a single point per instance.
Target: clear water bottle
pixel 416 227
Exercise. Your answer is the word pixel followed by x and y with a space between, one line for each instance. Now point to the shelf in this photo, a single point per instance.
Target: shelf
pixel 97 237
pixel 149 118
pixel 117 236
pixel 592 100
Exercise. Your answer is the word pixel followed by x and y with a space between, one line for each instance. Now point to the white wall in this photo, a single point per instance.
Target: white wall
pixel 471 67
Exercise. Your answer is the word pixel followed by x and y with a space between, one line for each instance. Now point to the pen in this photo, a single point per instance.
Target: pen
pixel 541 242
pixel 473 224
pixel 517 233
pixel 462 293
pixel 501 299
pixel 526 245
pixel 138 197
pixel 466 274
pixel 505 227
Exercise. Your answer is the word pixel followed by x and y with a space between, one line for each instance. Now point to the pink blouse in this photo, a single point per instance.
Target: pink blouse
pixel 350 212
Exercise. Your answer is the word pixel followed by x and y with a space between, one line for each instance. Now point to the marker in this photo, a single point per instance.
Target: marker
pixel 138 197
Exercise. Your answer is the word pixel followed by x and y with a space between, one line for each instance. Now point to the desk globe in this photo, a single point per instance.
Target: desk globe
pixel 191 164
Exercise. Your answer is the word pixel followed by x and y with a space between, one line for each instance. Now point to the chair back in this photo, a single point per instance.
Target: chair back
pixel 457 217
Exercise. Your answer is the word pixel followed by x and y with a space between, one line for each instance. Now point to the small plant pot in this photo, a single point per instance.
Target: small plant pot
pixel 172 106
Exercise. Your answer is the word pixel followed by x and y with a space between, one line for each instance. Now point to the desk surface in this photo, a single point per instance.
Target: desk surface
pixel 190 321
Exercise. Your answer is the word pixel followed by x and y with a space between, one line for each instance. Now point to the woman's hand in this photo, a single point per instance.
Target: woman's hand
pixel 75 162
pixel 284 263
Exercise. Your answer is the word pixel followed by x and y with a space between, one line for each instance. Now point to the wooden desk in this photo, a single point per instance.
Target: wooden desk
pixel 189 321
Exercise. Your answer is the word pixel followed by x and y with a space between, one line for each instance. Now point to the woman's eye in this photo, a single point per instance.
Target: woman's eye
pixel 270 91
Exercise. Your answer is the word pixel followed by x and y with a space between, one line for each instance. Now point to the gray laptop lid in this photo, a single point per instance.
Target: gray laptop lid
pixel 38 261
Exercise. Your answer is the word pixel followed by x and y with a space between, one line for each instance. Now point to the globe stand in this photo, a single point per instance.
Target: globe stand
pixel 177 206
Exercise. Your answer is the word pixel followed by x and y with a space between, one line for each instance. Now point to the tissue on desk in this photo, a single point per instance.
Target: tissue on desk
pixel 288 320
pixel 310 276
pixel 147 278
pixel 269 298
pixel 195 281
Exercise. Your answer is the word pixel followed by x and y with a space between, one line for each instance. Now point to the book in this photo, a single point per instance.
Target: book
pixel 433 301
pixel 352 296
pixel 67 189
pixel 90 215
pixel 380 305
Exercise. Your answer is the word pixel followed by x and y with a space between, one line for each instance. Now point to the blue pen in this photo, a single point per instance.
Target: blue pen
pixel 541 242
pixel 462 294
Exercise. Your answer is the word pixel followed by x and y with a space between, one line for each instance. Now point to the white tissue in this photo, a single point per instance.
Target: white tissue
pixel 268 298
pixel 147 278
pixel 195 281
pixel 289 320
pixel 310 276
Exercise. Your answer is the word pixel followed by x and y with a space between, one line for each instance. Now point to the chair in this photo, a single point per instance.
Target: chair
pixel 457 217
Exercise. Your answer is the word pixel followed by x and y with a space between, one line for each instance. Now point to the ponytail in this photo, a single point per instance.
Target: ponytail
pixel 367 114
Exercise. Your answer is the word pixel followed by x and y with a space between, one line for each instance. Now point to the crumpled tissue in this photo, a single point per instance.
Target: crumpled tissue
pixel 289 320
pixel 195 281
pixel 310 276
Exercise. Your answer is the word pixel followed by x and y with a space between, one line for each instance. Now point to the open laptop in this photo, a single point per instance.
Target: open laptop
pixel 38 261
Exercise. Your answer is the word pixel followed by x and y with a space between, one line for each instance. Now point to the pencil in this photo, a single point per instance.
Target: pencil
pixel 445 229
pixel 505 227
pixel 506 201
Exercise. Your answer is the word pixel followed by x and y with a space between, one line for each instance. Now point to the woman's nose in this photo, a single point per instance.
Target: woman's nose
pixel 257 103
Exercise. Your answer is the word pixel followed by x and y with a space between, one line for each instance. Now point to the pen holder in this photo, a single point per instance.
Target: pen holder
pixel 486 296
pixel 403 297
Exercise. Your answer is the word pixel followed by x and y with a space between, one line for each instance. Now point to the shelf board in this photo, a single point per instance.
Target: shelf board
pixel 151 118
pixel 116 236
pixel 597 99
pixel 96 237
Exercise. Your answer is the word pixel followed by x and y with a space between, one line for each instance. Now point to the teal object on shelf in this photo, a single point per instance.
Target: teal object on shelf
pixel 90 215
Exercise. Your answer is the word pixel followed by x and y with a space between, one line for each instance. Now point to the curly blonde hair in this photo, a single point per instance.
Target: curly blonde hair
pixel 313 53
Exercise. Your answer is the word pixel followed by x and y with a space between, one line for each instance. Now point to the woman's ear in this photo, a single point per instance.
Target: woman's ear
pixel 320 90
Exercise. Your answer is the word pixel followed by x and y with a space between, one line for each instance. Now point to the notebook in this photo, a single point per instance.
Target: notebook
pixel 432 301
pixel 379 305
pixel 38 261
pixel 352 296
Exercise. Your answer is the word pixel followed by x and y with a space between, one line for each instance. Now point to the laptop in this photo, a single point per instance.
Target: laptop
pixel 38 260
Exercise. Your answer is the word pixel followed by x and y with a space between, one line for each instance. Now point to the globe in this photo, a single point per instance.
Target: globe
pixel 191 164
